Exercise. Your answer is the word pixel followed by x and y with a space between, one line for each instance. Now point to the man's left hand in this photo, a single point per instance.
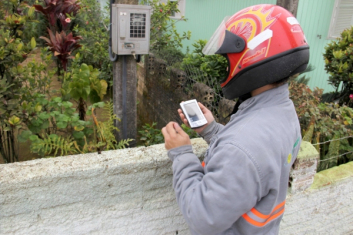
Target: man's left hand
pixel 174 136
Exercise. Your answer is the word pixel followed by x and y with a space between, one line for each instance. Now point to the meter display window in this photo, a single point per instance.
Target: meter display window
pixel 137 25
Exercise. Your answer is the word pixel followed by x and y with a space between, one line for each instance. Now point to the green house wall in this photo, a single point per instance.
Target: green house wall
pixel 315 16
pixel 204 16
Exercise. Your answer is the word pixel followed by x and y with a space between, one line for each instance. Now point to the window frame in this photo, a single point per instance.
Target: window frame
pixel 181 7
pixel 336 13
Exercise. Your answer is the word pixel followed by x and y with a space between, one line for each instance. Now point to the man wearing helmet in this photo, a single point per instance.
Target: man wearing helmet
pixel 242 187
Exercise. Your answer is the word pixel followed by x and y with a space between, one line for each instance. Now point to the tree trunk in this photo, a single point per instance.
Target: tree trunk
pixel 81 109
pixel 290 5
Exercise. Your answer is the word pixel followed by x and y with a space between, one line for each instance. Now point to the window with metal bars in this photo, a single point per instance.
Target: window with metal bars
pixel 137 25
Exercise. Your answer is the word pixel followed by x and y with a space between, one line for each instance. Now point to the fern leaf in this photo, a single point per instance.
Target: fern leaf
pixel 330 157
pixel 309 133
pixel 123 143
pixel 52 144
pixel 317 141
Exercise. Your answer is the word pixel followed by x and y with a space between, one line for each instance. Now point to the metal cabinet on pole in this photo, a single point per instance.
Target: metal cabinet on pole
pixel 130 33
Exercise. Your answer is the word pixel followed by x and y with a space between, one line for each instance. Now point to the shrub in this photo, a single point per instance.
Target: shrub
pixel 173 56
pixel 339 65
pixel 163 32
pixel 150 135
pixel 15 46
pixel 323 122
pixel 60 15
pixel 55 129
pixel 82 84
pixel 206 69
pixel 93 27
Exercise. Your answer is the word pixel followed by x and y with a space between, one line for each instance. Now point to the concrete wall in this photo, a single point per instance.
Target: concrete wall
pixel 117 192
pixel 130 192
pixel 325 208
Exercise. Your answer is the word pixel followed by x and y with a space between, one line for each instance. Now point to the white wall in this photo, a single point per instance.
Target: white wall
pixel 130 192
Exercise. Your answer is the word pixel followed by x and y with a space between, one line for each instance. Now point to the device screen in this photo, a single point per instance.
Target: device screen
pixel 193 111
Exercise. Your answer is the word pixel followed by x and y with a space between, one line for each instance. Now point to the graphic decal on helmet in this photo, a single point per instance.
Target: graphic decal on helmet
pixel 255 20
pixel 253 24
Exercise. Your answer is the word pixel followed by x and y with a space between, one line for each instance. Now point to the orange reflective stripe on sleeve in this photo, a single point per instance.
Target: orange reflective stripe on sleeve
pixel 262 216
pixel 261 224
pixel 258 219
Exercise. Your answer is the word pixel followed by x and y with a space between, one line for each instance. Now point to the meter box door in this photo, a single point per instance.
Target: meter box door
pixel 130 29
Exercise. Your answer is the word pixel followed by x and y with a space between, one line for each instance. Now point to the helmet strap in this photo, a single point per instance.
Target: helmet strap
pixel 240 100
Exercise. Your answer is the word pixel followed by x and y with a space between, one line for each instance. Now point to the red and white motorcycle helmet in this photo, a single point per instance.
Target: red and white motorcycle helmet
pixel 263 44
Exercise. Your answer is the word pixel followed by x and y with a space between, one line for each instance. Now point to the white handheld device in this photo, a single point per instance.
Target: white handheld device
pixel 193 113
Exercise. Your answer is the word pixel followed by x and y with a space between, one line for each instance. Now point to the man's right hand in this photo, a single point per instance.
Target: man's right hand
pixel 208 115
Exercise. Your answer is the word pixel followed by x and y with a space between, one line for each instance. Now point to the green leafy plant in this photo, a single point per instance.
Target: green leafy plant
pixel 338 57
pixel 207 69
pixel 189 131
pixel 14 49
pixel 36 74
pixel 323 122
pixel 93 26
pixel 53 145
pixel 151 135
pixel 44 117
pixel 173 56
pixel 163 31
pixel 81 84
pixel 16 16
pixel 104 130
pixel 30 78
pixel 27 106
pixel 336 122
pixel 58 132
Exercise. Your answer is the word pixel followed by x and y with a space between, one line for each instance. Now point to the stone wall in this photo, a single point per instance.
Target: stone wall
pixel 158 101
pixel 130 192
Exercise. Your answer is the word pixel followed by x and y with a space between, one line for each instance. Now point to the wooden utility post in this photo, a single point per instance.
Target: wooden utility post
pixel 290 5
pixel 124 92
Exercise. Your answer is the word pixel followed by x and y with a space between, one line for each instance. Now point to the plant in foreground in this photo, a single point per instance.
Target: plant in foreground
pixel 151 135
pixel 71 135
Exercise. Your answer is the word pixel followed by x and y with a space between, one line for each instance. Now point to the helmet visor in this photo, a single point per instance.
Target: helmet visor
pixel 216 40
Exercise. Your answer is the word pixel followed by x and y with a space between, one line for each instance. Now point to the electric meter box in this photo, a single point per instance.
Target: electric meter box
pixel 130 29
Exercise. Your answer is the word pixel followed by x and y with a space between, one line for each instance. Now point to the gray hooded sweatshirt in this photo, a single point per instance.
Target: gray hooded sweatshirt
pixel 243 186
